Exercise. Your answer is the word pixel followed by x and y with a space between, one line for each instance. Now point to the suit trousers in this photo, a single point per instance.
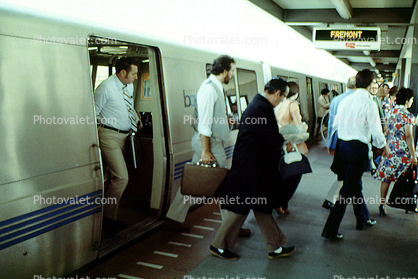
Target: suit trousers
pixel 355 155
pixel 228 232
pixel 112 145
pixel 179 207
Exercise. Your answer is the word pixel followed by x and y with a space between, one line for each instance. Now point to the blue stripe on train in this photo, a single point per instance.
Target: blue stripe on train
pixel 48 225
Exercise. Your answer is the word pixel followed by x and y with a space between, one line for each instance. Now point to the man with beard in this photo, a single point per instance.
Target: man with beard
pixel 211 131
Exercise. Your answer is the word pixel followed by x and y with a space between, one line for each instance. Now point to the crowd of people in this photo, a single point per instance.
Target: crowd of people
pixel 360 118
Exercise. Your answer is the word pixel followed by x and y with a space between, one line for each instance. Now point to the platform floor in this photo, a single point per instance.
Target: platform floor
pixel 388 250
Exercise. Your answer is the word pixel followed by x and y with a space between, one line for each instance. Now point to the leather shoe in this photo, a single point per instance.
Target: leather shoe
pixel 368 223
pixel 223 253
pixel 244 232
pixel 327 204
pixel 286 251
pixel 337 236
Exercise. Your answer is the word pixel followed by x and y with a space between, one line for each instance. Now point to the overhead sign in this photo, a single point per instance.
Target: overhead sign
pixel 367 38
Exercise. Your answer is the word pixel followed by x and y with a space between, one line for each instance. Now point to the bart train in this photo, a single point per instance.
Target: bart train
pixel 51 175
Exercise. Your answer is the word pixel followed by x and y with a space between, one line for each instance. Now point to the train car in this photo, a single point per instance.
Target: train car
pixel 52 175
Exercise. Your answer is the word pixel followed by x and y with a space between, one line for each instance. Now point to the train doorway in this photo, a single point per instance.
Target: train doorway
pixel 142 201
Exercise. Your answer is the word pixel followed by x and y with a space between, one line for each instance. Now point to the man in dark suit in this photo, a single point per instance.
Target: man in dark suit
pixel 254 175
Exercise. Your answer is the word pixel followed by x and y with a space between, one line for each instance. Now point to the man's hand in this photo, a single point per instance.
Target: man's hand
pixel 207 156
pixel 386 150
pixel 331 152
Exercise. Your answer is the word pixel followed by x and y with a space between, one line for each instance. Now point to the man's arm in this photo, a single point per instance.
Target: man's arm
pixel 206 154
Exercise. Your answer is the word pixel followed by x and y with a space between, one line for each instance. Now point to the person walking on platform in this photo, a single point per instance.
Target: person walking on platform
pixel 253 176
pixel 324 104
pixel 357 121
pixel 113 101
pixel 288 113
pixel 210 136
pixel 331 145
pixel 401 143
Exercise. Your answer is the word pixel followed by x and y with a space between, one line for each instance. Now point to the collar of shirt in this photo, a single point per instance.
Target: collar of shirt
pixel 118 83
pixel 217 82
pixel 263 94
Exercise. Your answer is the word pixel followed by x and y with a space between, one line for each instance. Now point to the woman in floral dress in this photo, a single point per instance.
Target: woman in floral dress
pixel 401 143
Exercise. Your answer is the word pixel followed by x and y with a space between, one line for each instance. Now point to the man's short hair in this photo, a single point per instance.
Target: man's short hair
pixel 324 91
pixel 125 63
pixel 276 84
pixel 221 64
pixel 351 83
pixel 364 78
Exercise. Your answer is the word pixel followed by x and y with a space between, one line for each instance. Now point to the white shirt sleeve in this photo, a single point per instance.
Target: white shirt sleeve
pixel 378 138
pixel 206 99
pixel 100 99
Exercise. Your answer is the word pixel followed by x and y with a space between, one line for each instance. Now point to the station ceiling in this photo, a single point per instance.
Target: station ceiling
pixel 392 16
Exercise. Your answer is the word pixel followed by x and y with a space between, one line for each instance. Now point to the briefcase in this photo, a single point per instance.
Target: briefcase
pixel 201 180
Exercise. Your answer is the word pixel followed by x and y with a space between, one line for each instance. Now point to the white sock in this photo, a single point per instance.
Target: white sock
pixel 279 250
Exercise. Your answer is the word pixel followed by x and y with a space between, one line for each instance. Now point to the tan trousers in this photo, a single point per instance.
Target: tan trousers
pixel 228 232
pixel 179 207
pixel 112 145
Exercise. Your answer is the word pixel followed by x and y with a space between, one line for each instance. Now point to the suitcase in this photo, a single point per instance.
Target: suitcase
pixel 201 180
pixel 404 192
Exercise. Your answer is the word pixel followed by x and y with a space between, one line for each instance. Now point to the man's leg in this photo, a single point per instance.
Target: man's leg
pixel 229 230
pixel 273 236
pixel 112 145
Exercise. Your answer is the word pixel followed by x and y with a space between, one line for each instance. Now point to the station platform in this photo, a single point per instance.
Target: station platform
pixel 388 250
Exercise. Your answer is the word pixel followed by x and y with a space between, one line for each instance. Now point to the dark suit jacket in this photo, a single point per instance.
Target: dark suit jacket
pixel 254 172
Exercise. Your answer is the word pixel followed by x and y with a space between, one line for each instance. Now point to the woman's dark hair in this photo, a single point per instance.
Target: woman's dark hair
pixel 276 84
pixel 221 64
pixel 324 91
pixel 125 63
pixel 393 91
pixel 364 78
pixel 293 89
pixel 403 95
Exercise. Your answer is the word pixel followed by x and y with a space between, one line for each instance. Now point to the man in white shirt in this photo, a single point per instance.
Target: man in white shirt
pixel 358 123
pixel 211 132
pixel 113 101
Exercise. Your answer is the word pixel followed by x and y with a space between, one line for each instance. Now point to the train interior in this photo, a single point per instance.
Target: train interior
pixel 141 202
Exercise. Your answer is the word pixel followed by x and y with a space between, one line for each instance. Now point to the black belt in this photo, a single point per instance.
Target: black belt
pixel 114 129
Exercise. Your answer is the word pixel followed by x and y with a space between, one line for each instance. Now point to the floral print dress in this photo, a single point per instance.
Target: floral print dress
pixel 398 161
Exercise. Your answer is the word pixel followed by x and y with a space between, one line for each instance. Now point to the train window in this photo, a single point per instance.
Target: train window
pixel 247 86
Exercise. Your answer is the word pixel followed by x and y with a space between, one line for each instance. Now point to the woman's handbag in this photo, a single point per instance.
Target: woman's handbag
pixel 201 180
pixel 293 164
pixel 404 192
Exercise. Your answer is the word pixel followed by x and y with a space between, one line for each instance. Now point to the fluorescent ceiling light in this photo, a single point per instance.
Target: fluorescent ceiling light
pixel 344 8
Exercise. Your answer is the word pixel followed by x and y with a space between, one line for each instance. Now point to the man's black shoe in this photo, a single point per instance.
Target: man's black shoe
pixel 337 236
pixel 286 251
pixel 223 253
pixel 327 204
pixel 368 223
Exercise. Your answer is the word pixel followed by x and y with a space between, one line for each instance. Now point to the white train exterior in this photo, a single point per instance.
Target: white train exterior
pixel 51 169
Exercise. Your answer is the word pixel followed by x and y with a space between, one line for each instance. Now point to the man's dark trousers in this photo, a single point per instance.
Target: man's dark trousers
pixel 355 155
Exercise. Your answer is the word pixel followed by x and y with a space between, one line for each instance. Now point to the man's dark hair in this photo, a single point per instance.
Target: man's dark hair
pixel 293 89
pixel 125 63
pixel 276 84
pixel 221 64
pixel 393 91
pixel 324 91
pixel 403 95
pixel 364 78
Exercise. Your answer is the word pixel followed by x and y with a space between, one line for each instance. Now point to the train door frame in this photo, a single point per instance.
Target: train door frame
pixel 154 134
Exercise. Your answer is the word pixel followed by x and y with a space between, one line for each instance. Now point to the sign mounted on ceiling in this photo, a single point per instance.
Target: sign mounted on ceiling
pixel 366 38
